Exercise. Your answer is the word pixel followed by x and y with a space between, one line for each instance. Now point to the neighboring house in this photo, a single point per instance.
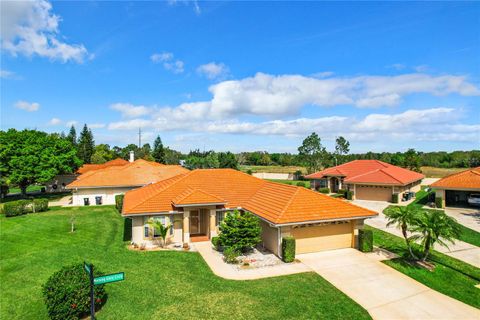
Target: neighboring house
pixel 195 204
pixel 368 179
pixel 60 182
pixel 97 187
pixel 456 188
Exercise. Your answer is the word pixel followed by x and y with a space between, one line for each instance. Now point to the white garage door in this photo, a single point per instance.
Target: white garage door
pixel 320 238
pixel 373 193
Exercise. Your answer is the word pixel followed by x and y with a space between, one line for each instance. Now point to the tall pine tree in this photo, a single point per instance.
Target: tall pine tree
pixel 158 152
pixel 72 136
pixel 86 145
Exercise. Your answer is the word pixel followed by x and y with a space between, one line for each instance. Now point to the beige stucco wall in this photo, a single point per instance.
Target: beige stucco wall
pixel 139 222
pixel 269 237
pixel 107 194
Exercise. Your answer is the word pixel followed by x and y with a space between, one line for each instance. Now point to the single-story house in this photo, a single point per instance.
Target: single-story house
pixel 97 187
pixel 455 189
pixel 195 203
pixel 368 179
pixel 60 182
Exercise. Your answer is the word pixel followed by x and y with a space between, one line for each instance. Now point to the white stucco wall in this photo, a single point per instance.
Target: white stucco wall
pixel 138 235
pixel 107 194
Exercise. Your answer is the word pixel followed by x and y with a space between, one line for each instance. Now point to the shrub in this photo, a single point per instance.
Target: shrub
pixel 249 171
pixel 439 202
pixel 119 202
pixel 240 231
pixel 365 240
pixel 216 243
pixel 288 249
pixel 323 190
pixel 15 208
pixel 395 198
pixel 342 191
pixel 349 195
pixel 67 293
pixel 40 205
pixel 301 184
pixel 230 255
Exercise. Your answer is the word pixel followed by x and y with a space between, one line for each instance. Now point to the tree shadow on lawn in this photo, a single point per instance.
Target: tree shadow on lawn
pixel 127 229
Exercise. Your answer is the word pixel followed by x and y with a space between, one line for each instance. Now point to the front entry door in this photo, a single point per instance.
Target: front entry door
pixel 194 222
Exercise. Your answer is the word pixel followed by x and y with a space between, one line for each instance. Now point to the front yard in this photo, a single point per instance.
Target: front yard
pixel 160 284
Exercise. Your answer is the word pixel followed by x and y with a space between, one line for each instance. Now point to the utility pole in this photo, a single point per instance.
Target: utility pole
pixel 139 138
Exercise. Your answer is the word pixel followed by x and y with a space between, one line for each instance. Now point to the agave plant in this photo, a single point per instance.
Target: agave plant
pixel 162 230
pixel 434 226
pixel 402 217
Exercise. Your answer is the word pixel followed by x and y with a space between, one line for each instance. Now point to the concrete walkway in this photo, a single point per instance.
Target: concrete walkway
pixel 469 217
pixel 63 202
pixel 224 270
pixel 384 292
pixel 460 250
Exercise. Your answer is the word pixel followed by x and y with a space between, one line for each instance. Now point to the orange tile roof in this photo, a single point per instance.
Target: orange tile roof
pixel 137 173
pixel 275 202
pixel 370 171
pixel 468 179
pixel 89 167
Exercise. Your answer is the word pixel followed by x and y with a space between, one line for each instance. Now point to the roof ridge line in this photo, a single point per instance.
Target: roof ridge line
pixel 388 174
pixel 288 203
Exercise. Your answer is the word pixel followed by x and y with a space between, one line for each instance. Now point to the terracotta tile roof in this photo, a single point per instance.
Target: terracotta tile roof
pixel 196 196
pixel 370 171
pixel 468 179
pixel 137 173
pixel 89 167
pixel 275 202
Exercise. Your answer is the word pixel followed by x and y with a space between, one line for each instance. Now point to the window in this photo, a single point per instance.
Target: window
pixel 98 200
pixel 86 201
pixel 156 233
pixel 220 215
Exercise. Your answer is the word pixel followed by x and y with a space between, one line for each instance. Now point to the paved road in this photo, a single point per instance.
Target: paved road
pixel 384 292
pixel 460 250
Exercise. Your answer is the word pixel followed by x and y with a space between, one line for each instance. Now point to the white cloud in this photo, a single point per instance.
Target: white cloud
pixel 194 3
pixel 131 111
pixel 213 70
pixel 30 28
pixel 130 124
pixel 168 62
pixel 54 121
pixel 27 106
pixel 397 66
pixel 5 74
pixel 421 68
pixel 70 123
pixel 96 125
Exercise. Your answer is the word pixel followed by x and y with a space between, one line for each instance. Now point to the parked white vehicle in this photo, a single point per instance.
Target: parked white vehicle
pixel 474 199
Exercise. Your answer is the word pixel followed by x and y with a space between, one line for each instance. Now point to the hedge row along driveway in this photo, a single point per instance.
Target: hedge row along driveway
pixel 158 284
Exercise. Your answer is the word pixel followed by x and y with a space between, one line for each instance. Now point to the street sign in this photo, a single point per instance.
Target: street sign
pixel 114 277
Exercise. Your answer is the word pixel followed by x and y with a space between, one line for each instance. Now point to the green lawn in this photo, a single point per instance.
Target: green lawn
pixel 173 285
pixel 451 277
pixel 32 188
pixel 291 182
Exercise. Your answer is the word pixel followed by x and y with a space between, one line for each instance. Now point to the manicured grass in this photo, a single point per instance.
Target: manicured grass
pixel 291 182
pixel 273 169
pixel 33 188
pixel 451 277
pixel 433 172
pixel 173 285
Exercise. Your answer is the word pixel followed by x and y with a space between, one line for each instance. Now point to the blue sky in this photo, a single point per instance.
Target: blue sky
pixel 246 76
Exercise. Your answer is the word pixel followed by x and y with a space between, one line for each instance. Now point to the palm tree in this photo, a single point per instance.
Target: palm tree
pixel 434 226
pixel 403 217
pixel 163 230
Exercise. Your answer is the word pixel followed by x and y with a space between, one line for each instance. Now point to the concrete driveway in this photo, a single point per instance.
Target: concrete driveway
pixel 469 217
pixel 384 292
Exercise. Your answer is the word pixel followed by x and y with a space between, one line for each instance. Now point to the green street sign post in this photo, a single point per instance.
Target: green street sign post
pixel 114 277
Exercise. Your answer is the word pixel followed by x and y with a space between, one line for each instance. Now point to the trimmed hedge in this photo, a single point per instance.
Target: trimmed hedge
pixel 301 184
pixel 288 249
pixel 119 202
pixel 365 240
pixel 323 190
pixel 342 191
pixel 67 293
pixel 395 198
pixel 439 202
pixel 349 195
pixel 19 207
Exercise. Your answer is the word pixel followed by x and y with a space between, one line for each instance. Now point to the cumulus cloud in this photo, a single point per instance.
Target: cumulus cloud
pixel 54 121
pixel 131 111
pixel 96 125
pixel 30 28
pixel 5 74
pixel 27 106
pixel 169 63
pixel 213 70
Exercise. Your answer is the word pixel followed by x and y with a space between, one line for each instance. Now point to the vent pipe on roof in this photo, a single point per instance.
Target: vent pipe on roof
pixel 132 156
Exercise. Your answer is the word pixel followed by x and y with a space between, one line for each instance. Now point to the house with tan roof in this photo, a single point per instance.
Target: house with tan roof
pixel 100 186
pixel 196 202
pixel 368 179
pixel 455 189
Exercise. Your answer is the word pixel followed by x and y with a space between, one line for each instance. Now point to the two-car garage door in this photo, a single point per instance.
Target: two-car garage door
pixel 375 193
pixel 325 237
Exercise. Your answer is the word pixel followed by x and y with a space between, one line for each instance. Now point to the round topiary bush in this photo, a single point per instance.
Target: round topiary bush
pixel 67 293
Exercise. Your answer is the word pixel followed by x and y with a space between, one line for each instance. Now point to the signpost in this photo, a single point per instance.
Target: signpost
pixel 114 277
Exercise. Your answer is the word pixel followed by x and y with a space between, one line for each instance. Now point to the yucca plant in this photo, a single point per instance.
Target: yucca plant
pixel 434 227
pixel 162 230
pixel 402 217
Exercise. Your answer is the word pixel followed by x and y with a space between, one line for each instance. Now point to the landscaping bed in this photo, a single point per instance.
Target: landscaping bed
pixel 157 284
